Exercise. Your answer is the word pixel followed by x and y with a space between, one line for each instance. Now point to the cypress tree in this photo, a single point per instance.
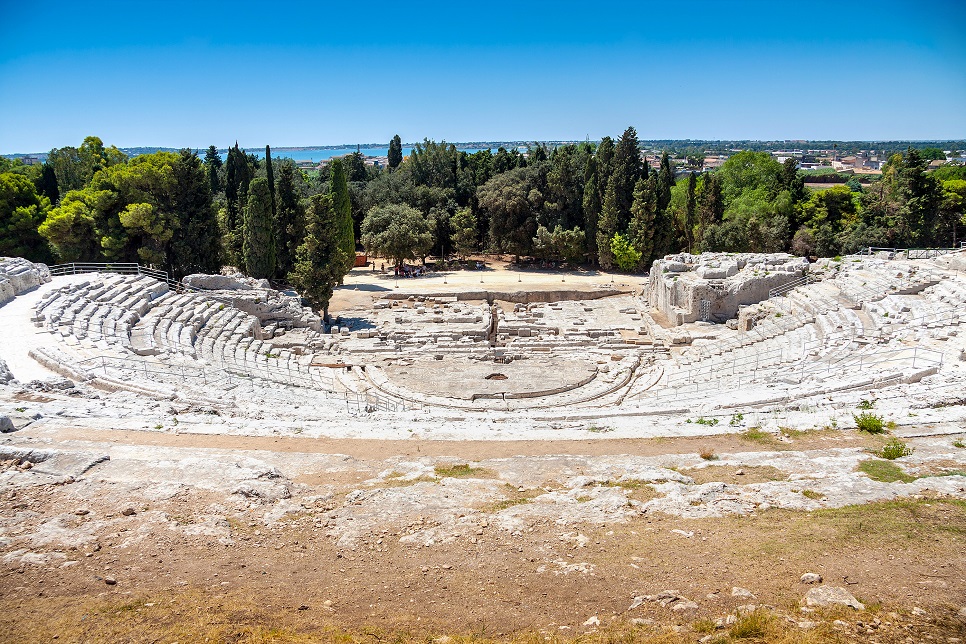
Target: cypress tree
pixel 591 207
pixel 641 228
pixel 46 183
pixel 607 226
pixel 665 181
pixel 627 170
pixel 690 210
pixel 320 262
pixel 290 224
pixel 258 245
pixel 395 152
pixel 342 207
pixel 213 165
pixel 270 175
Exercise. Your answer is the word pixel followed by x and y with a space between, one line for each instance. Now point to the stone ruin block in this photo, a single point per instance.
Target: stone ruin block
pixel 688 288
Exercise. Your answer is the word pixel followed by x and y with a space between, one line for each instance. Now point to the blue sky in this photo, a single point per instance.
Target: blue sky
pixel 193 74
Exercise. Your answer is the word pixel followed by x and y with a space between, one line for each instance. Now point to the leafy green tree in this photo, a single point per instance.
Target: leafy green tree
pixel 75 167
pixel 607 227
pixel 342 206
pixel 464 233
pixel 258 246
pixel 395 152
pixel 626 257
pixel 568 245
pixel 22 211
pixel 932 154
pixel 320 262
pixel 397 231
pixel 513 201
pixel 952 210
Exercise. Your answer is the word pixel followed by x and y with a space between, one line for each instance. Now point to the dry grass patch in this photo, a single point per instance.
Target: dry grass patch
pixel 636 489
pixel 463 471
pixel 729 474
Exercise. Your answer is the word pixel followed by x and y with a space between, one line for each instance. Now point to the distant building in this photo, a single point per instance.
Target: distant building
pixel 29 159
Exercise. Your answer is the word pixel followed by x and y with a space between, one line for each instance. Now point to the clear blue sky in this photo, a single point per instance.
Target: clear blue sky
pixel 289 73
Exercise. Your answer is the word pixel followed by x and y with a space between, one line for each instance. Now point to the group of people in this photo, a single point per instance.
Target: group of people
pixel 402 270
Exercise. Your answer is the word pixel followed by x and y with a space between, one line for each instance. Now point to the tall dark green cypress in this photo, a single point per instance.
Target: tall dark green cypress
pixel 270 175
pixel 212 166
pixel 591 208
pixel 607 226
pixel 395 152
pixel 342 207
pixel 627 170
pixel 290 219
pixel 258 246
pixel 665 181
pixel 46 183
pixel 691 211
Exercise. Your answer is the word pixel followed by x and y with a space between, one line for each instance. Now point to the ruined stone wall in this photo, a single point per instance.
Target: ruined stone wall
pixel 678 284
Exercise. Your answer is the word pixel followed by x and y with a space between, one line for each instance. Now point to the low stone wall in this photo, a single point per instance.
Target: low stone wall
pixel 516 297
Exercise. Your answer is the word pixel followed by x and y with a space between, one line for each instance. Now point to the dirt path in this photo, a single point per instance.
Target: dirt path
pixel 468 449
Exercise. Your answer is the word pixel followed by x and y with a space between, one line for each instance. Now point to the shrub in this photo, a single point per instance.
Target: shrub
pixel 708 454
pixel 959 444
pixel 736 419
pixel 866 422
pixel 707 421
pixel 751 625
pixel 865 404
pixel 894 449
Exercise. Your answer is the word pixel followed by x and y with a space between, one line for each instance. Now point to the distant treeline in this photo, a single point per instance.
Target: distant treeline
pixel 587 203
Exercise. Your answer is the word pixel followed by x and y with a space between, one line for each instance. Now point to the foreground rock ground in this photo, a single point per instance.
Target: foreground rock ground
pixel 260 513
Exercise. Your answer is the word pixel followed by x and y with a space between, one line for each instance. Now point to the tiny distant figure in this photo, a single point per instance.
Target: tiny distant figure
pixel 382 267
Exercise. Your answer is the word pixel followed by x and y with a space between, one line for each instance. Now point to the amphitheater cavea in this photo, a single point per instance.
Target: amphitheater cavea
pixel 586 439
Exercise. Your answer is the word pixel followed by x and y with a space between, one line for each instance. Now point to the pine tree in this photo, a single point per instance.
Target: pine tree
pixel 320 262
pixel 395 152
pixel 607 226
pixel 258 246
pixel 342 206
